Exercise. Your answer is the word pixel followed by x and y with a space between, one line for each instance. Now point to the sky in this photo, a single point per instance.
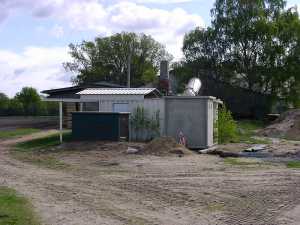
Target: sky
pixel 34 34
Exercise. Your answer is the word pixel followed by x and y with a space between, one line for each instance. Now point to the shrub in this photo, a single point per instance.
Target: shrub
pixel 227 127
pixel 146 127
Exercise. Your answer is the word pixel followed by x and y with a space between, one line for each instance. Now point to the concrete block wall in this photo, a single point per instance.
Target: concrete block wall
pixel 194 117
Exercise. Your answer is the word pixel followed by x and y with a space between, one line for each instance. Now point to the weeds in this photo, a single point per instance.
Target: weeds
pixel 15 209
pixel 293 165
pixel 17 132
pixel 37 151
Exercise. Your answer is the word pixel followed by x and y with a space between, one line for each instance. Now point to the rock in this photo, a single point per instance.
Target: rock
pixel 256 148
pixel 131 150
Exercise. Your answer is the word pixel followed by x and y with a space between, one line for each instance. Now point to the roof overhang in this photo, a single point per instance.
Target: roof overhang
pixel 120 91
pixel 67 100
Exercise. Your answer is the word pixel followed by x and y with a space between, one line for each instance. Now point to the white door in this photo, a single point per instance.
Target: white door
pixel 121 107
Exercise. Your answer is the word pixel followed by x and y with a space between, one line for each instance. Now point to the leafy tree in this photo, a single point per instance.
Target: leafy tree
pixel 30 100
pixel 15 108
pixel 26 103
pixel 251 43
pixel 4 103
pixel 106 59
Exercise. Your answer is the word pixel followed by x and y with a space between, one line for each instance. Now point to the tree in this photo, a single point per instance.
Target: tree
pixel 15 108
pixel 106 59
pixel 251 43
pixel 30 100
pixel 4 103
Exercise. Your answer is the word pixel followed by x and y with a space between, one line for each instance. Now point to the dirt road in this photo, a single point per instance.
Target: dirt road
pixel 110 187
pixel 39 122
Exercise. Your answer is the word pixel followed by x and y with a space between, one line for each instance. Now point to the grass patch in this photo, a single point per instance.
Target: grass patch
pixel 40 159
pixel 15 209
pixel 241 162
pixel 215 207
pixel 39 152
pixel 293 164
pixel 17 132
pixel 42 143
pixel 247 129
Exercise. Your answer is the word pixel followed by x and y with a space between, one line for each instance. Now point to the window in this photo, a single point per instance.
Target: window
pixel 121 107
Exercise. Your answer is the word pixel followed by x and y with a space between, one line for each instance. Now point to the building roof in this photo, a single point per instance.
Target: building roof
pixel 81 87
pixel 119 91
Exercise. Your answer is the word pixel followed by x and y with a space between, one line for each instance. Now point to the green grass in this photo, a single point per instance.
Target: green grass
pixel 246 131
pixel 39 151
pixel 15 209
pixel 45 160
pixel 215 207
pixel 42 143
pixel 293 164
pixel 241 162
pixel 17 133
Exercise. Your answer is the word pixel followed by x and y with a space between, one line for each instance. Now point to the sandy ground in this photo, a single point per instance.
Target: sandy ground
pixel 106 186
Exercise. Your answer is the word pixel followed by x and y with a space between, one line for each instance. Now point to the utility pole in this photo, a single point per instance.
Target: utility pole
pixel 128 69
pixel 129 64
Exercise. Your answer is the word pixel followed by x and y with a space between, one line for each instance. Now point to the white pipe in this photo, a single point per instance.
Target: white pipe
pixel 60 122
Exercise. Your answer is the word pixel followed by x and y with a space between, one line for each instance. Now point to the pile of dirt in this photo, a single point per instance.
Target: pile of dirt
pixel 165 146
pixel 286 126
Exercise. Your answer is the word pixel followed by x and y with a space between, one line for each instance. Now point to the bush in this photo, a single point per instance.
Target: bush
pixel 227 127
pixel 146 127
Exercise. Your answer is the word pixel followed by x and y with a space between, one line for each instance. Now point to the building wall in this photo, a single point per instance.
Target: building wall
pixel 151 105
pixel 241 102
pixel 194 117
pixel 68 108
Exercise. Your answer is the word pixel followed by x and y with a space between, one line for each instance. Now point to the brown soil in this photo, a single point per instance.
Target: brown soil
pixel 165 146
pixel 286 126
pixel 106 186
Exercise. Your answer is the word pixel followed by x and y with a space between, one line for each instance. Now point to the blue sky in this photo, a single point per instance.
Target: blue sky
pixel 34 34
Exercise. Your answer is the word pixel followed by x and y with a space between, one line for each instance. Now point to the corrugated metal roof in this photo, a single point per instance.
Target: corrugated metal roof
pixel 116 91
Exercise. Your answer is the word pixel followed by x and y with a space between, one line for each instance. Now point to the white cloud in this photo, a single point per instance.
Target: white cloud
pixel 168 27
pixel 42 67
pixel 162 1
pixel 35 66
pixel 57 31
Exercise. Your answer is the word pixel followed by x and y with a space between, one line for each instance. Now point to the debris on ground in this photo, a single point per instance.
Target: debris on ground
pixel 165 146
pixel 286 126
pixel 207 150
pixel 131 150
pixel 106 163
pixel 256 148
pixel 221 151
pixel 224 154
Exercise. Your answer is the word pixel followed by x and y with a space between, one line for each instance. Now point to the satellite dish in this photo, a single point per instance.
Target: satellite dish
pixel 193 87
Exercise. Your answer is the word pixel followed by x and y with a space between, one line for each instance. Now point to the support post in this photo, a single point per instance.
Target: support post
pixel 60 122
pixel 80 106
pixel 128 70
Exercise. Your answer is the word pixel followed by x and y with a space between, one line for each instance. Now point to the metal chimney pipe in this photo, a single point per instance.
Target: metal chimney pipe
pixel 164 70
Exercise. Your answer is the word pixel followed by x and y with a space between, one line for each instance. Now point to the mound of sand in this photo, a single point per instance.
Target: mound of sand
pixel 165 146
pixel 286 126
